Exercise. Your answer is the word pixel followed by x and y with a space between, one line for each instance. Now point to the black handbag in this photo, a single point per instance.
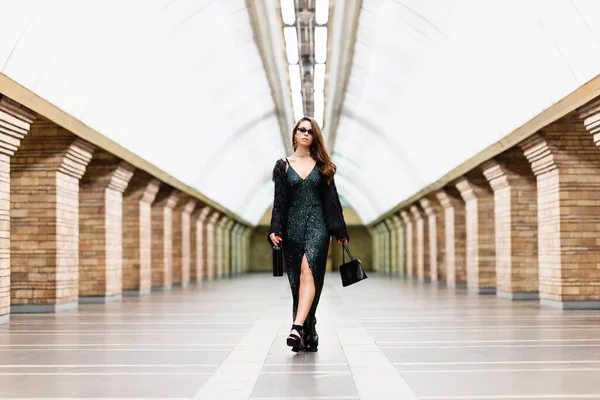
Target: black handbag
pixel 278 261
pixel 351 271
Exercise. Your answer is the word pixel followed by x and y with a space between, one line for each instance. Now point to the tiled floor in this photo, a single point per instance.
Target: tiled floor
pixel 380 339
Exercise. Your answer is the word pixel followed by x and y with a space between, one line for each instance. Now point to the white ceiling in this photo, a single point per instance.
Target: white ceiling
pixel 181 84
pixel 436 81
pixel 178 82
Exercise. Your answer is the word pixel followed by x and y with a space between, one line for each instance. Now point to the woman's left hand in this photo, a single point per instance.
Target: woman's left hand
pixel 345 240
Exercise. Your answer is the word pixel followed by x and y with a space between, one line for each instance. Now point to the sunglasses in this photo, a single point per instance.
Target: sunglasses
pixel 303 130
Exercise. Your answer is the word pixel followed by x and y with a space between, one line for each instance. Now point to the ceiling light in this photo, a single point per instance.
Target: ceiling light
pixel 320 44
pixel 295 81
pixel 297 103
pixel 319 105
pixel 288 13
pixel 291 44
pixel 319 83
pixel 322 12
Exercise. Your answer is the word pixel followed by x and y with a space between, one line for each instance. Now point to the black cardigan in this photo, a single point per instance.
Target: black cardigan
pixel 334 217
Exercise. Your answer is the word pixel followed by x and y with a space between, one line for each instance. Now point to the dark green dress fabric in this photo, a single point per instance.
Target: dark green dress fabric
pixel 306 233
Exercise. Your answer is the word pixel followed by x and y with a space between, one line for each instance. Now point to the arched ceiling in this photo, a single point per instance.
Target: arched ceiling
pixel 433 82
pixel 182 84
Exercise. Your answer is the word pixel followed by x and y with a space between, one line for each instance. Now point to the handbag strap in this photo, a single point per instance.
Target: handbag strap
pixel 345 250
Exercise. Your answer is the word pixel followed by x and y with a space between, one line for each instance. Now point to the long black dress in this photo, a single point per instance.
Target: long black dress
pixel 307 232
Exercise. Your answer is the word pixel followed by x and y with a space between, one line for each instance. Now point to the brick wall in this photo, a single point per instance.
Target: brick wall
pixel 137 233
pixel 421 244
pixel 434 213
pixel 182 240
pixel 211 245
pixel 399 245
pixel 409 259
pixel 45 174
pixel 100 227
pixel 201 243
pixel 162 238
pixel 566 164
pixel 479 212
pixel 455 236
pixel 515 205
pixel 393 232
pixel 15 122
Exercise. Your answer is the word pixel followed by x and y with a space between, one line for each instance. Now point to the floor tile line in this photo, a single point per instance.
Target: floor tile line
pixel 485 341
pixel 510 397
pixel 115 350
pixel 491 346
pixel 99 373
pixel 501 362
pixel 106 365
pixel 433 371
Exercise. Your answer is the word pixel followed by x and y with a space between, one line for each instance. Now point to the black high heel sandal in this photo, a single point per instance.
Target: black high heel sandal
pixel 311 340
pixel 294 341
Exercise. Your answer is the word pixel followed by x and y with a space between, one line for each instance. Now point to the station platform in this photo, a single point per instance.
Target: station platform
pixel 384 338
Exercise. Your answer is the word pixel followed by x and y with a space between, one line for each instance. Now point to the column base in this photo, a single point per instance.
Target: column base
pixel 518 295
pixel 43 308
pixel 458 286
pixel 100 299
pixel 181 284
pixel 482 290
pixel 161 288
pixel 136 292
pixel 4 319
pixel 570 305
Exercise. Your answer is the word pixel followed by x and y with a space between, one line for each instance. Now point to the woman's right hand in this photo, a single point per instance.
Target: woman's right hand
pixel 275 239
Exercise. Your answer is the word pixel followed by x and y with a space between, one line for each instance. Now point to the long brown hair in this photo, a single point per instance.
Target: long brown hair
pixel 318 151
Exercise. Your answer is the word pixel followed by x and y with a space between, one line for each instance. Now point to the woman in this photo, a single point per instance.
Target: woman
pixel 306 211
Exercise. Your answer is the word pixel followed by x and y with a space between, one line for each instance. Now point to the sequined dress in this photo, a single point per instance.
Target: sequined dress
pixel 306 233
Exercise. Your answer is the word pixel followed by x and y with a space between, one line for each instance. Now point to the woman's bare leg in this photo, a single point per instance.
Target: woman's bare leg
pixel 306 293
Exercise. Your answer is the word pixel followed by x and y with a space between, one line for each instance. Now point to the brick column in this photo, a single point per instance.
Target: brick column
pixel 45 174
pixel 201 244
pixel 235 249
pixel 385 247
pixel 249 234
pixel 182 240
pixel 374 233
pixel 566 165
pixel 211 245
pixel 15 122
pixel 515 215
pixel 101 228
pixel 227 248
pixel 479 212
pixel 162 238
pixel 393 243
pixel 241 234
pixel 137 233
pixel 399 244
pixel 220 246
pixel 454 237
pixel 243 250
pixel 422 244
pixel 433 233
pixel 194 243
pixel 240 239
pixel 409 258
pixel 380 248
